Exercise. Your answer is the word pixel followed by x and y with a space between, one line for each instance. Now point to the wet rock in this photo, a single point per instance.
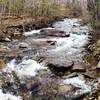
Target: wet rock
pixel 98 65
pixel 89 75
pixel 59 65
pixel 40 59
pixel 71 75
pixel 28 27
pixel 78 67
pixel 7 40
pixel 51 42
pixel 23 45
pixel 54 32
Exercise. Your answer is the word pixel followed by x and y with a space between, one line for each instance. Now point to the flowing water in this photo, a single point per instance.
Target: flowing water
pixel 25 64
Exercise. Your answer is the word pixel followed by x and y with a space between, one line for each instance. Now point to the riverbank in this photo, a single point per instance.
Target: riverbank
pixel 93 49
pixel 14 26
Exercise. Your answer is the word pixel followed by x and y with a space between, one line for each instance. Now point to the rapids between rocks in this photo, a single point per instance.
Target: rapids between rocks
pixel 29 71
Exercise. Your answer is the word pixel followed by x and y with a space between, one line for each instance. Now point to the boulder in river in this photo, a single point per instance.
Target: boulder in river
pixel 78 67
pixel 23 45
pixel 60 65
pixel 54 32
pixel 7 39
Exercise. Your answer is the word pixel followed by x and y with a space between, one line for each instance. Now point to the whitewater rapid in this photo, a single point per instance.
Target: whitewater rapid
pixel 71 47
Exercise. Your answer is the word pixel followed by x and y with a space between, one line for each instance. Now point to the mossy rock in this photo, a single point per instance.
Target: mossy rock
pixel 95 48
pixel 26 96
pixel 13 32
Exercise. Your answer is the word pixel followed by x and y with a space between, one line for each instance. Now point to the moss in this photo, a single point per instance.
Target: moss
pixel 26 96
pixel 95 48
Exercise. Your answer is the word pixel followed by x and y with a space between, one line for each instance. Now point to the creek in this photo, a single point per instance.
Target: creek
pixel 28 58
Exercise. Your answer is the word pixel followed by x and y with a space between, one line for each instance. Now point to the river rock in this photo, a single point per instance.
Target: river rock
pixel 89 75
pixel 7 39
pixel 60 65
pixel 54 32
pixel 98 65
pixel 71 75
pixel 23 45
pixel 78 67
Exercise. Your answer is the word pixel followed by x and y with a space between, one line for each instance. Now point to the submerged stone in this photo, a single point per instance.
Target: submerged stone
pixel 60 65
pixel 51 42
pixel 78 67
pixel 7 40
pixel 54 32
pixel 23 45
pixel 89 75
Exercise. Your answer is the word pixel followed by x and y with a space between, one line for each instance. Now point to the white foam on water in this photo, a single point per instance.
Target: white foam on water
pixel 80 83
pixel 67 44
pixel 31 32
pixel 34 32
pixel 7 96
pixel 67 24
pixel 78 35
pixel 27 68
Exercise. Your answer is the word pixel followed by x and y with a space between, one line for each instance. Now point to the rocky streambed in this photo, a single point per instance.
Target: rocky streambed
pixel 49 64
